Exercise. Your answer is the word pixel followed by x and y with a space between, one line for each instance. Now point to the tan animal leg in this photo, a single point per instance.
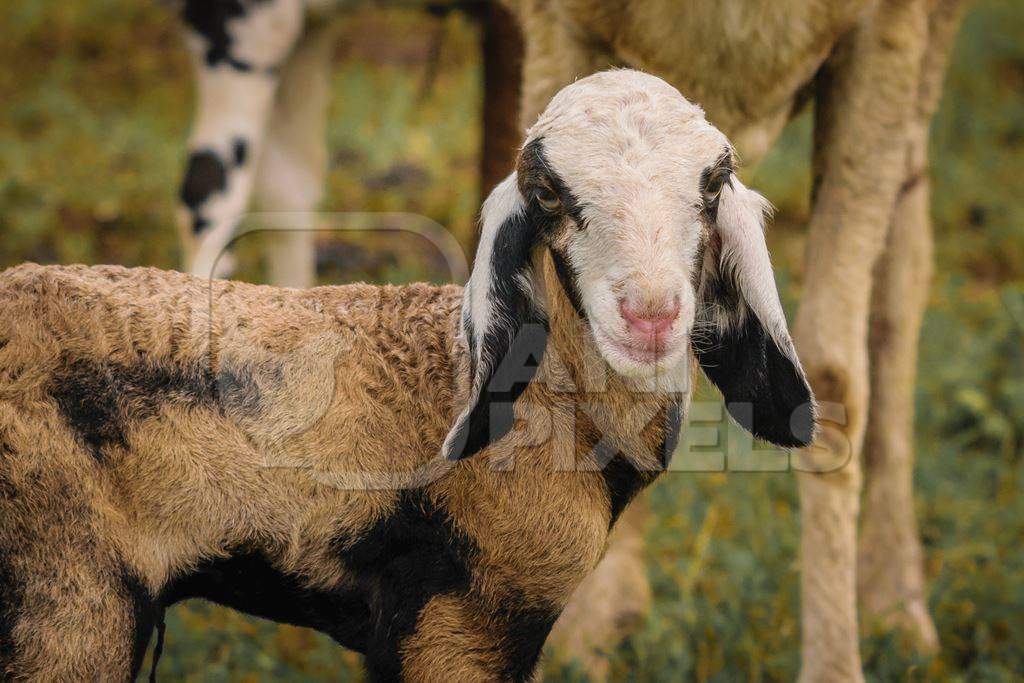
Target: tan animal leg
pixel 611 602
pixel 86 638
pixel 890 577
pixel 290 175
pixel 71 611
pixel 890 573
pixel 867 99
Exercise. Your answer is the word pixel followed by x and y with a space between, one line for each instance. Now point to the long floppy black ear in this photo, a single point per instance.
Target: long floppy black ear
pixel 742 343
pixel 504 328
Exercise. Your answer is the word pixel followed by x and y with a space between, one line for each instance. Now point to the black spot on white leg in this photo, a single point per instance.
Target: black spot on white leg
pixel 210 19
pixel 240 149
pixel 199 224
pixel 205 176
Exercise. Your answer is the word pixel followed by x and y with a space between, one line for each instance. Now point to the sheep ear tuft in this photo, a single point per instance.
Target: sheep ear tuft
pixel 504 328
pixel 743 344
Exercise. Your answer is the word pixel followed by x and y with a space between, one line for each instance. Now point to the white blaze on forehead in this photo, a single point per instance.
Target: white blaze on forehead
pixel 624 123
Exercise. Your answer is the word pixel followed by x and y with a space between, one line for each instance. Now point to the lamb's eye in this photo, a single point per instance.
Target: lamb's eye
pixel 714 186
pixel 547 199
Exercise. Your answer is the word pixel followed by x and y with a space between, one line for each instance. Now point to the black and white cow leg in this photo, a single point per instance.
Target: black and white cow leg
pixel 238 53
pixel 291 170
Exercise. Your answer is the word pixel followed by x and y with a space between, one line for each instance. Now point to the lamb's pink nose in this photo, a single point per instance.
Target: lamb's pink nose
pixel 650 322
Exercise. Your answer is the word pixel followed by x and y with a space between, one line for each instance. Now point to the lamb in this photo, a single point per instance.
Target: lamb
pixel 874 70
pixel 421 472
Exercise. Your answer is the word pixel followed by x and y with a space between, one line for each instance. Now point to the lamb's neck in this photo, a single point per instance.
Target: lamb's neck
pixel 639 418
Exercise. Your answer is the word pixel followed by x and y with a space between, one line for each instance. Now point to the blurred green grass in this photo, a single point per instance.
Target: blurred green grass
pixel 96 100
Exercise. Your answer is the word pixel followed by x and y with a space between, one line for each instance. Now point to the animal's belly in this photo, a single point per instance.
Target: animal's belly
pixel 250 584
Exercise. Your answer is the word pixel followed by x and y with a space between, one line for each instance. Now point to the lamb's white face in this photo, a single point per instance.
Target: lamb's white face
pixel 657 245
pixel 620 161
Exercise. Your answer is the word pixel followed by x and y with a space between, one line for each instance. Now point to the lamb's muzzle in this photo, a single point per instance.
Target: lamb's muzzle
pixel 164 437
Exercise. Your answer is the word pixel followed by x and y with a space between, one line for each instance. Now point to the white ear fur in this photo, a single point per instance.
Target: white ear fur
pixel 749 354
pixel 741 227
pixel 503 203
pixel 502 325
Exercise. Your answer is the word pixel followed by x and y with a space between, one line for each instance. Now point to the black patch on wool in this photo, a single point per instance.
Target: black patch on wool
pixel 11 597
pixel 622 479
pixel 145 614
pixel 238 388
pixel 393 569
pixel 525 628
pixel 673 428
pixel 406 558
pixel 7 490
pixel 99 399
pixel 247 581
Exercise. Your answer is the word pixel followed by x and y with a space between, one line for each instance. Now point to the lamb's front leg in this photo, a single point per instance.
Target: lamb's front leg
pixel 237 56
pixel 457 638
pixel 866 101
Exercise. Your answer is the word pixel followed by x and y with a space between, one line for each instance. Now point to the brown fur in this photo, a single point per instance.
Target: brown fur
pixel 874 69
pixel 153 423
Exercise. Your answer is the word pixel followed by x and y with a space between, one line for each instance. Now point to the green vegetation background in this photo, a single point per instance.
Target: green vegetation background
pixel 95 102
